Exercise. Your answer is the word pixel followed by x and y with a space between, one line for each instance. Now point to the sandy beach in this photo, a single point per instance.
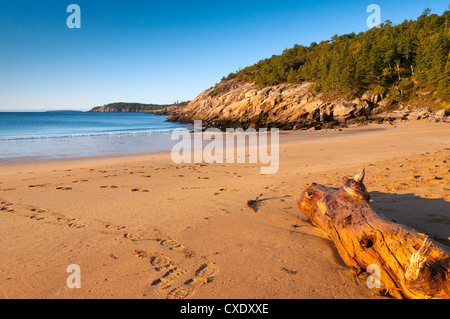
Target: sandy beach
pixel 142 226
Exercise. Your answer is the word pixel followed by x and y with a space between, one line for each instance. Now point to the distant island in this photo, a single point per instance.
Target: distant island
pixel 134 107
pixel 63 111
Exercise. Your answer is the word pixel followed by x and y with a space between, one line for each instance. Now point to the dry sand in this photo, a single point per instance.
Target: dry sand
pixel 144 227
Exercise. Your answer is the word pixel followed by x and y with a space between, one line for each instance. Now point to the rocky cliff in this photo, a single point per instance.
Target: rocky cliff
pixel 288 106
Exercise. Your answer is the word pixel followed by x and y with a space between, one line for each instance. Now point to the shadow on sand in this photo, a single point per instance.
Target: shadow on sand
pixel 429 216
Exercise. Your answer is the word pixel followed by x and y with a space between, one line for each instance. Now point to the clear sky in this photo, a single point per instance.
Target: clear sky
pixel 159 51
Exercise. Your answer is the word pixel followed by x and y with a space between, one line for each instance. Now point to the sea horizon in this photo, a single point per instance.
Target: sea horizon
pixel 66 134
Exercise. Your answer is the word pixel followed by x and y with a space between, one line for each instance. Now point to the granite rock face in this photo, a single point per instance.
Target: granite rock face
pixel 288 106
pixel 281 105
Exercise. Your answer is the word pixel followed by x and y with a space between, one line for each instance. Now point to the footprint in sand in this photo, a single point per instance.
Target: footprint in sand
pixel 64 188
pixel 79 181
pixel 7 209
pixel 206 272
pixel 161 262
pixel 289 271
pixel 38 185
pixel 35 217
pixel 203 275
pixel 172 244
pixel 36 213
pixel 6 203
pixel 114 227
pixel 139 236
pixel 169 277
pixel 69 222
pixel 110 226
pixel 140 190
pixel 38 210
pixel 184 291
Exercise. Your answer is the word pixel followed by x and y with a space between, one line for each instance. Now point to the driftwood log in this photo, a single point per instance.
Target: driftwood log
pixel 411 264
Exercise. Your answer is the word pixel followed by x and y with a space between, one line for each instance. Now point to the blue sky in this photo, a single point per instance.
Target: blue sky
pixel 158 51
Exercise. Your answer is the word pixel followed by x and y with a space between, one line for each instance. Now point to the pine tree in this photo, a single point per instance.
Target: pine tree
pixel 291 78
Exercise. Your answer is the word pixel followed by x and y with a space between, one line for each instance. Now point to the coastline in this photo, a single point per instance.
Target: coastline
pixel 141 226
pixel 288 135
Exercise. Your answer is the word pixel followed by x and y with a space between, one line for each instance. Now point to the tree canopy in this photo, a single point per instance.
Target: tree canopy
pixel 400 58
pixel 135 107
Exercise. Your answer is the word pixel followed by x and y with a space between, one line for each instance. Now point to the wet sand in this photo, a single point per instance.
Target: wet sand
pixel 142 226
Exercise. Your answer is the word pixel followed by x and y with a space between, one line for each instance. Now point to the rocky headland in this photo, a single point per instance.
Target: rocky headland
pixel 291 107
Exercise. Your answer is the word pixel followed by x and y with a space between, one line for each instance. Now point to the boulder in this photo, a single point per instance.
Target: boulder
pixel 441 115
pixel 367 96
pixel 343 111
pixel 418 114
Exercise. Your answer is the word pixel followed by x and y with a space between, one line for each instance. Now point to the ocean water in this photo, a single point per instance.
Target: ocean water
pixel 68 134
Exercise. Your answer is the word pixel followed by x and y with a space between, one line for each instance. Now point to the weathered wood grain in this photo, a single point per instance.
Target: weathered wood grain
pixel 412 265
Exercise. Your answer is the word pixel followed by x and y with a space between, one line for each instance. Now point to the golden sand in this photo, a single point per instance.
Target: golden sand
pixel 143 227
